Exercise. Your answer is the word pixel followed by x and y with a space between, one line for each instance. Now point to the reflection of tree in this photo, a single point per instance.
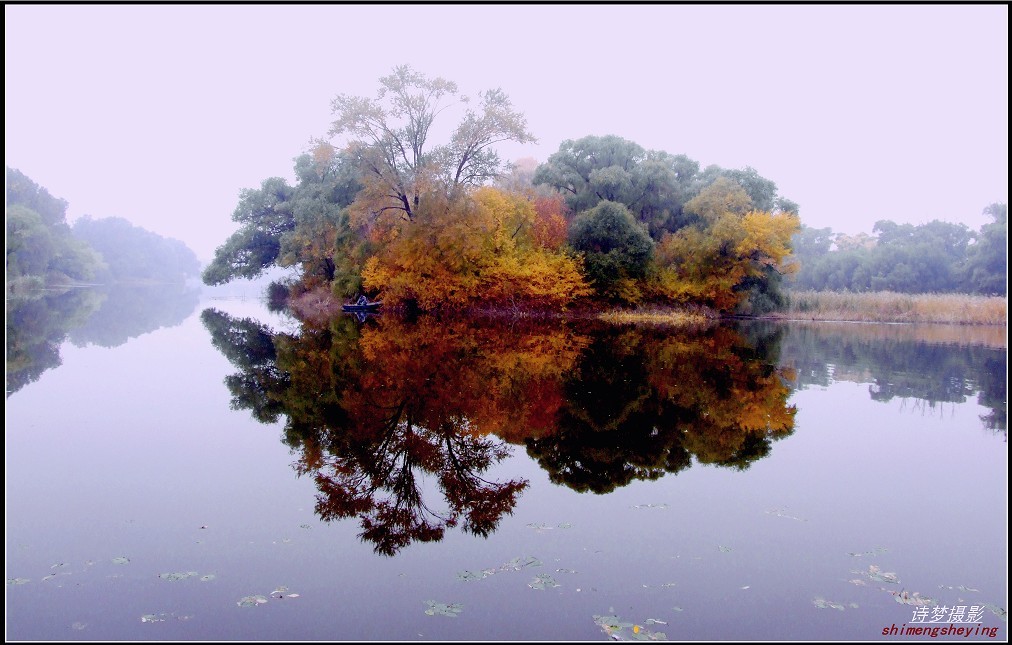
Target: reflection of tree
pixel 132 310
pixel 642 403
pixel 993 381
pixel 902 362
pixel 37 325
pixel 377 411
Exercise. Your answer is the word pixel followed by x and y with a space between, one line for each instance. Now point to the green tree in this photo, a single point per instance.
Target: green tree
pixel 616 249
pixel 40 245
pixel 653 185
pixel 22 190
pixel 264 215
pixel 986 270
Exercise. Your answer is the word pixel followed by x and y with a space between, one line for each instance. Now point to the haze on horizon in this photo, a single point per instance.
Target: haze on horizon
pixel 161 114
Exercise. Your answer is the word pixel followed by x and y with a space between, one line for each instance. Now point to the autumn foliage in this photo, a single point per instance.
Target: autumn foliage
pixel 488 248
pixel 372 411
pixel 706 261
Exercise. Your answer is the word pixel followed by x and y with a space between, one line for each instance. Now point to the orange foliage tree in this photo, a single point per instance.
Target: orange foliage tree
pixel 482 248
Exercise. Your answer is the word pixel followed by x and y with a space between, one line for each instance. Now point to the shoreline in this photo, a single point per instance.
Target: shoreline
pixel 829 307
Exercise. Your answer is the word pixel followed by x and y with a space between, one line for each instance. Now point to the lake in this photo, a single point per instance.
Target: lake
pixel 182 466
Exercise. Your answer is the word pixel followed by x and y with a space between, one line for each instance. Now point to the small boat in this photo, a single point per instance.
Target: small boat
pixel 362 305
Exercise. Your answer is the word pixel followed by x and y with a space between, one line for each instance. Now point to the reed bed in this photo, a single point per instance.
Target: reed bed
pixel 887 306
pixel 656 316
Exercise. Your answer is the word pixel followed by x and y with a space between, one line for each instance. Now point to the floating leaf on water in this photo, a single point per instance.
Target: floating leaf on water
pixel 469 576
pixel 822 603
pixel 516 564
pixel 747 587
pixel 565 571
pixel 78 625
pixel 879 550
pixel 120 560
pixel 782 512
pixel 543 581
pixel 18 581
pixel 876 573
pixel 251 601
pixel 539 527
pixel 724 549
pixel 305 526
pixel 913 599
pixel 451 610
pixel 58 565
pixel 611 622
pixel 668 584
pixel 965 588
pixel 998 611
pixel 207 578
pixel 652 621
pixel 152 618
pixel 565 525
pixel 662 505
pixel 172 577
pixel 677 609
pixel 619 630
pixel 853 605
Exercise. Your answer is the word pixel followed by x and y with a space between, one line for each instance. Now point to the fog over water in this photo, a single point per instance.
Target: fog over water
pixel 161 114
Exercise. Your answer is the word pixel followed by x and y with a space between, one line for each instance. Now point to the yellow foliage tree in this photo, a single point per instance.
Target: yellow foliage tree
pixel 482 248
pixel 706 261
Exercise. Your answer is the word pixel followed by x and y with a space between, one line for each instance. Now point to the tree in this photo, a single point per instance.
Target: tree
pixel 265 214
pixel 732 253
pixel 133 253
pixel 653 185
pixel 616 249
pixel 485 248
pixel 40 245
pixel 389 141
pixel 22 190
pixel 986 268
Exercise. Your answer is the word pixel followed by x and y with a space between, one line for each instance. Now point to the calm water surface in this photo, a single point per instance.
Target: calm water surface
pixel 210 470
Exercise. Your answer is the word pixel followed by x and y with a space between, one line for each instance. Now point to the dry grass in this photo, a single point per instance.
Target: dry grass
pixel 317 306
pixel 886 306
pixel 655 316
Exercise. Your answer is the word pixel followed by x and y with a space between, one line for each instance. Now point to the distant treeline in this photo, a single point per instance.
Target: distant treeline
pixel 937 257
pixel 42 249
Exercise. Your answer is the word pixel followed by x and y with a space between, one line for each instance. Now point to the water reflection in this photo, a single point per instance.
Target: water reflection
pixel 375 409
pixel 37 323
pixel 936 364
pixel 643 403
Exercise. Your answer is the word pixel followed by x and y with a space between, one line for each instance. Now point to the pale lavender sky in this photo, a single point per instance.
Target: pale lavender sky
pixel 161 114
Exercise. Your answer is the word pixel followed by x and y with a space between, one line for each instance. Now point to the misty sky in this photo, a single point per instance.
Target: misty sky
pixel 161 114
